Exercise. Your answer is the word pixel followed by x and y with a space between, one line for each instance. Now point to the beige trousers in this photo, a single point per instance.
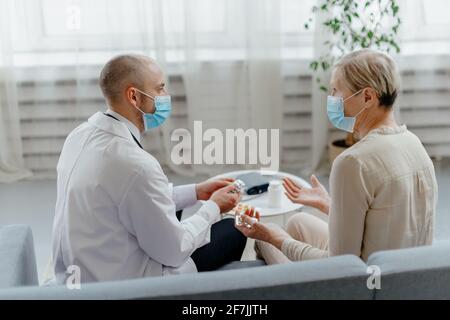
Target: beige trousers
pixel 310 231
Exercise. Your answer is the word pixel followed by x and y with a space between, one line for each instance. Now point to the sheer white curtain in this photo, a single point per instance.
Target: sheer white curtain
pixel 320 127
pixel 227 52
pixel 60 48
pixel 222 59
pixel 11 158
pixel 424 102
pixel 244 92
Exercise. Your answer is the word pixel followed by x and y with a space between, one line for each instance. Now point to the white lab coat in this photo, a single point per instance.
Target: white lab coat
pixel 115 210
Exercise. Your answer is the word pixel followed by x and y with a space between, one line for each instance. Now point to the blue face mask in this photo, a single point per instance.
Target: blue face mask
pixel 335 110
pixel 163 106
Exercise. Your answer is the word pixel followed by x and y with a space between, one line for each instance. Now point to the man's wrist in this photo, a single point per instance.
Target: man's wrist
pixel 196 191
pixel 184 196
pixel 214 209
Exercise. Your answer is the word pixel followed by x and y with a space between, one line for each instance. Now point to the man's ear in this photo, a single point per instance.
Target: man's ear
pixel 130 94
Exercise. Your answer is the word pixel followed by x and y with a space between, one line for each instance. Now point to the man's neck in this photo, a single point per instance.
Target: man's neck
pixel 128 120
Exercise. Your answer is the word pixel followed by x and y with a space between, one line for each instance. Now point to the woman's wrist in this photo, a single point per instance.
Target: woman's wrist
pixel 325 207
pixel 276 239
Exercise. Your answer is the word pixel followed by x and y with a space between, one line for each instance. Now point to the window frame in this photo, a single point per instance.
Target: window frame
pixel 414 27
pixel 35 38
pixel 217 45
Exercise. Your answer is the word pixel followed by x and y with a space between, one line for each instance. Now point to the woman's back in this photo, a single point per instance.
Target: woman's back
pixel 389 196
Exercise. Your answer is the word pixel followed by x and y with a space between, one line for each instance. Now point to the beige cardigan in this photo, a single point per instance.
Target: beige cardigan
pixel 383 196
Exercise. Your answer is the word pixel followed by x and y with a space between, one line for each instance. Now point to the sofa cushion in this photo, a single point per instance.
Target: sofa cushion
pixel 17 258
pixel 341 277
pixel 414 273
pixel 243 264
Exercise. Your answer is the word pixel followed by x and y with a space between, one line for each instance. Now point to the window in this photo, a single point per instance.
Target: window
pixel 57 29
pixel 57 24
pixel 426 26
pixel 294 15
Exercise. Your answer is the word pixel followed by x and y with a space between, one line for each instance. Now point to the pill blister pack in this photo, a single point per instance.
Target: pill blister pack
pixel 239 185
pixel 239 211
pixel 241 208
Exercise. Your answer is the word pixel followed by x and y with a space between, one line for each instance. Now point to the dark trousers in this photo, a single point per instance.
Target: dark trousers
pixel 227 245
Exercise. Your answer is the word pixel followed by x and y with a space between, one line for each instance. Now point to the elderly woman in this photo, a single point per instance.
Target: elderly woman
pixel 383 190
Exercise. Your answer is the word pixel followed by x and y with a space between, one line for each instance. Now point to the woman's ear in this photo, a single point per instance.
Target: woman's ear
pixel 370 96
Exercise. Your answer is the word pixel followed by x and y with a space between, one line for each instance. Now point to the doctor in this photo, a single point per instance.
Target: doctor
pixel 116 211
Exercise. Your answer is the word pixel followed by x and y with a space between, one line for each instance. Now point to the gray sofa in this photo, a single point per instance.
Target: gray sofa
pixel 415 273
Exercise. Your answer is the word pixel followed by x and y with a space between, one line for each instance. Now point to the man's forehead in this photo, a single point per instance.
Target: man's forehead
pixel 152 66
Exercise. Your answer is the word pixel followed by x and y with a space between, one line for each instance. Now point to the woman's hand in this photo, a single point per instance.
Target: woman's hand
pixel 260 231
pixel 316 197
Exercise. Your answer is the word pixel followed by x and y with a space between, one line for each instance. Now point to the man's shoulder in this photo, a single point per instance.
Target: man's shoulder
pixel 81 129
pixel 113 150
pixel 128 154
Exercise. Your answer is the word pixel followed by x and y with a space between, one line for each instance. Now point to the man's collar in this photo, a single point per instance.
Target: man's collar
pixel 130 125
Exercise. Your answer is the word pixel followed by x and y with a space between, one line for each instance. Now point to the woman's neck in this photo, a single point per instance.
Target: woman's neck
pixel 383 119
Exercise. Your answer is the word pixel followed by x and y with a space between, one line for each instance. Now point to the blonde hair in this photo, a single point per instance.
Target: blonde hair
pixel 370 68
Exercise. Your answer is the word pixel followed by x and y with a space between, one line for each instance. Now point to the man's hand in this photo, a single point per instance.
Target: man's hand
pixel 316 197
pixel 207 188
pixel 225 198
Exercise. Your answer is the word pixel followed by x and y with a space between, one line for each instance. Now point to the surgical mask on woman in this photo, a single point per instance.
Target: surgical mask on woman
pixel 163 106
pixel 335 110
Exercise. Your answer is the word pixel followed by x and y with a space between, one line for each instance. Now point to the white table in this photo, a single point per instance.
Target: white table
pixel 261 201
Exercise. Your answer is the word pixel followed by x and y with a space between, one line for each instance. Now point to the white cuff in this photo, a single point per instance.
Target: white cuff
pixel 212 210
pixel 184 196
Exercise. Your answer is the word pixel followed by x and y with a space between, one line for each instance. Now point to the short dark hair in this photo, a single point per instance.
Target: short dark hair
pixel 122 71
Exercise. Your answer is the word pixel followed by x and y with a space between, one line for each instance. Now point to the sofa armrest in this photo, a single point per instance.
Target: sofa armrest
pixel 17 257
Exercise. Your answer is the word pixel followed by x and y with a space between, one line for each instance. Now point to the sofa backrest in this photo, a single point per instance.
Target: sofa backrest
pixel 17 257
pixel 341 277
pixel 415 273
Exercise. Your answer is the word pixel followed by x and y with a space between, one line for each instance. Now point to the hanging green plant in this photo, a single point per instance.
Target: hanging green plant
pixel 356 25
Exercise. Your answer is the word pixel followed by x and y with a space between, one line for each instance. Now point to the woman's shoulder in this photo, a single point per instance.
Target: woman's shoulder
pixel 385 152
pixel 380 141
pixel 349 160
pixel 357 166
pixel 367 153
